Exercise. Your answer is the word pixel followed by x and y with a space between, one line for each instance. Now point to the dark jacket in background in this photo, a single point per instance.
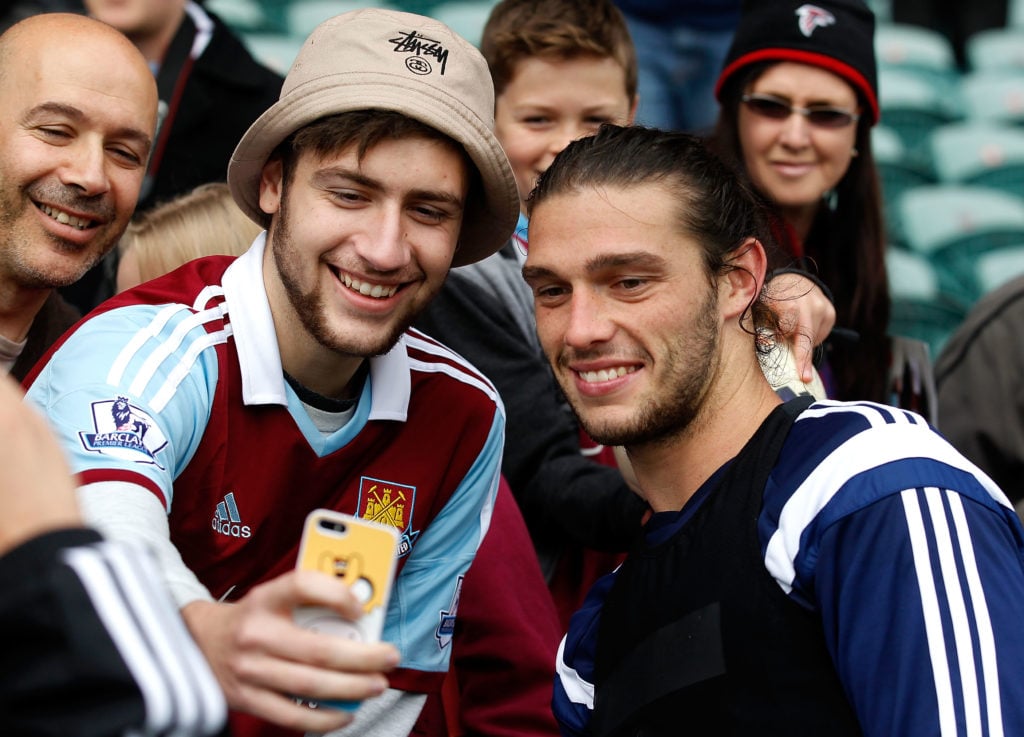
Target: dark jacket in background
pixel 225 90
pixel 980 379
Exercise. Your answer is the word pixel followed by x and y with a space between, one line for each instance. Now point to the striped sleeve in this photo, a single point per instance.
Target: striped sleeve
pixel 91 646
pixel 180 694
pixel 129 393
pixel 921 596
pixel 915 562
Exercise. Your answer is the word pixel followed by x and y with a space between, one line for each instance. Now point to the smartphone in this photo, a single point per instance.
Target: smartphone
pixel 363 554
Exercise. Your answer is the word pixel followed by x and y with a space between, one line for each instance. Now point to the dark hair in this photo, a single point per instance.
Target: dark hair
pixel 561 29
pixel 845 248
pixel 364 129
pixel 716 205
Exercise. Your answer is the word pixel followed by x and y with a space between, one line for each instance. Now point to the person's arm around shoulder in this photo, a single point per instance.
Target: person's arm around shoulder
pixel 806 314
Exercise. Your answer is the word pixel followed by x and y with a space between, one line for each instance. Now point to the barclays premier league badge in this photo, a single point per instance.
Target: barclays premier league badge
pixel 123 431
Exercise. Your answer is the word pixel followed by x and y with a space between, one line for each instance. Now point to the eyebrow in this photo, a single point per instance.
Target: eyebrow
pixel 76 115
pixel 641 259
pixel 323 176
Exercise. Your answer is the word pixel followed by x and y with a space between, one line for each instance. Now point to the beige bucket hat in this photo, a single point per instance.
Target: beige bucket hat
pixel 389 60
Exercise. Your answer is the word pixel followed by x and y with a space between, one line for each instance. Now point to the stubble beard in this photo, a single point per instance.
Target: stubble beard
pixel 309 305
pixel 691 362
pixel 19 263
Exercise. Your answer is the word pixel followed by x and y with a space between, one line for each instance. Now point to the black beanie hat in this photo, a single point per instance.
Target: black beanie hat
pixel 836 35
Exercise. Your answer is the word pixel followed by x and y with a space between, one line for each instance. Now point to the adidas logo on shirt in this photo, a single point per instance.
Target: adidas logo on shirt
pixel 227 521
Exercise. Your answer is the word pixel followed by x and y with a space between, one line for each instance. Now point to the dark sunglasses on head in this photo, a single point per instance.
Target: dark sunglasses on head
pixel 822 116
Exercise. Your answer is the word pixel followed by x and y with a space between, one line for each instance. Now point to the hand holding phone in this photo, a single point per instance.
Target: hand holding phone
pixel 364 555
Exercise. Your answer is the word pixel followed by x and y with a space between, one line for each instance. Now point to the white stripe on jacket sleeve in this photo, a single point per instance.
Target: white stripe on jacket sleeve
pixel 180 693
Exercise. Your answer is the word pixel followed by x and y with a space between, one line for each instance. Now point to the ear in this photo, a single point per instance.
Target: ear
pixel 632 110
pixel 740 286
pixel 271 186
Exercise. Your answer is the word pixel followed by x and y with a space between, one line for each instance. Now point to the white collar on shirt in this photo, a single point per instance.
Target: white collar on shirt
pixel 260 359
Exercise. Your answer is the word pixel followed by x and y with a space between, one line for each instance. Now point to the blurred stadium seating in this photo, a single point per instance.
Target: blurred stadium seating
pixel 995 268
pixel 950 154
pixel 921 51
pixel 275 50
pixel 913 105
pixel 919 308
pixel 952 225
pixel 982 153
pixel 898 171
pixel 302 16
pixel 275 29
pixel 465 17
pixel 242 15
pixel 996 50
pixel 993 95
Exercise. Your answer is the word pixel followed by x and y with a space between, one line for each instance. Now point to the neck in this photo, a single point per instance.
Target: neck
pixel 18 308
pixel 319 401
pixel 800 219
pixel 334 377
pixel 671 470
pixel 154 45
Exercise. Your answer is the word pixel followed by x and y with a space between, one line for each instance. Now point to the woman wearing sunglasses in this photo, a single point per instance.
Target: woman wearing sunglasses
pixel 798 96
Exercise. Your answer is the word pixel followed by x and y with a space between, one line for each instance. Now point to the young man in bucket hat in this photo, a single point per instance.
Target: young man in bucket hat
pixel 208 411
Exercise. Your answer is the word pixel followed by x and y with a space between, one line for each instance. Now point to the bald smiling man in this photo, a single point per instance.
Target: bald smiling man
pixel 76 129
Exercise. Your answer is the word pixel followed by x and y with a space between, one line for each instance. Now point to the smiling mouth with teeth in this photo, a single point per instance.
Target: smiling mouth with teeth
pixel 377 291
pixel 62 217
pixel 606 374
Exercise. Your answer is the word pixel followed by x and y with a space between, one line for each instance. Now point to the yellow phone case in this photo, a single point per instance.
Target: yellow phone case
pixel 364 555
pixel 357 550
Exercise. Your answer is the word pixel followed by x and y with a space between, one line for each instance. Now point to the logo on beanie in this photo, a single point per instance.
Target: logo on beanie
pixel 422 48
pixel 811 17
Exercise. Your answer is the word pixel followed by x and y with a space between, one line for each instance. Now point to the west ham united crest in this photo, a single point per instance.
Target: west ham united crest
pixel 123 431
pixel 391 504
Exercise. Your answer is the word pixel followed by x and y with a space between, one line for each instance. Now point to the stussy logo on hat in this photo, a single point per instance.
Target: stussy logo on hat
pixel 811 17
pixel 410 42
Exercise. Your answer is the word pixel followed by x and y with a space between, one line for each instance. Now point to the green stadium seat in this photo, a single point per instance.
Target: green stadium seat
pixel 981 153
pixel 995 268
pixel 996 97
pixel 953 225
pixel 918 309
pixel 466 17
pixel 240 15
pixel 882 10
pixel 897 172
pixel 996 50
pixel 911 275
pixel 913 105
pixel 303 16
pixel 919 50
